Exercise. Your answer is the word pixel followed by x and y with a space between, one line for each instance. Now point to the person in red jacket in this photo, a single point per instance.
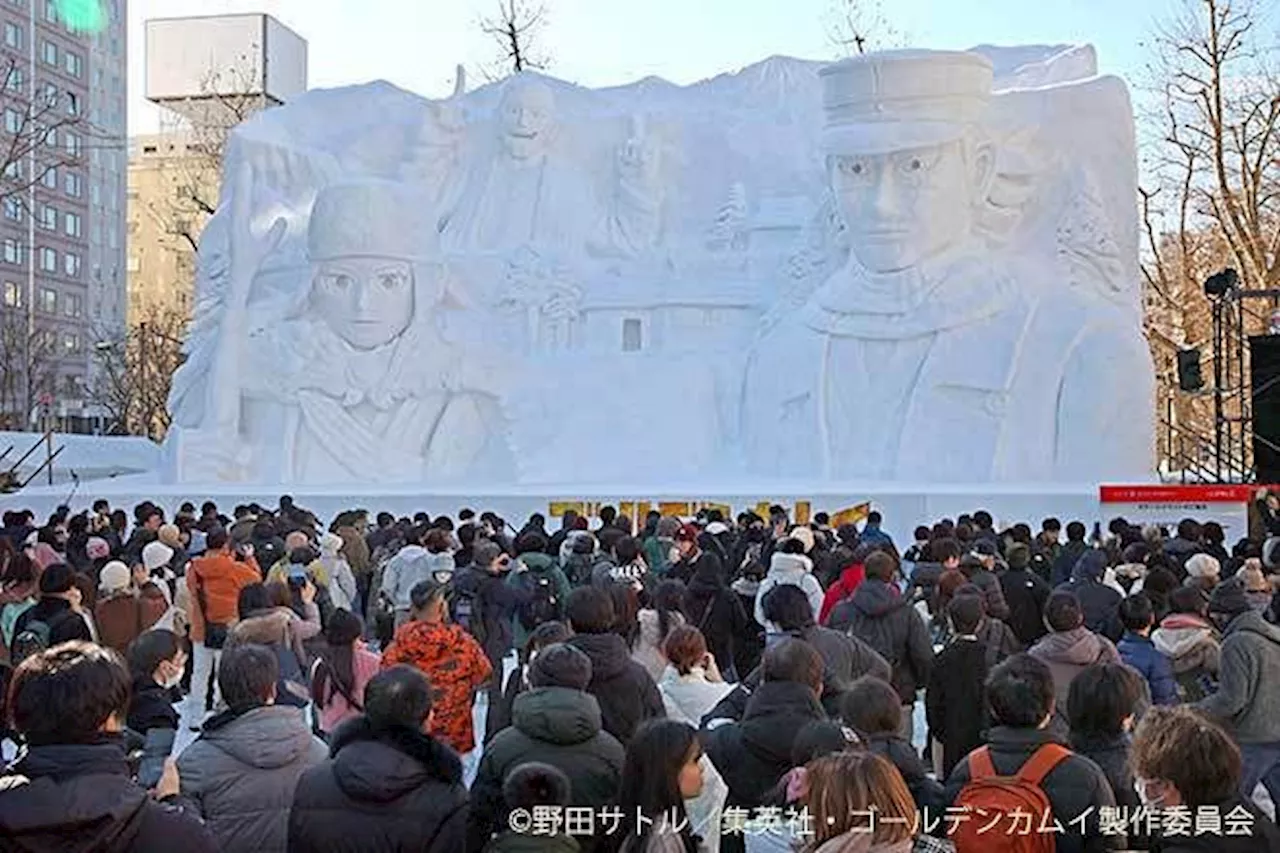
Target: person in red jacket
pixel 851 576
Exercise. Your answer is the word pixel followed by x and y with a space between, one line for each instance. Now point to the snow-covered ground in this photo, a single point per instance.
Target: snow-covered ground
pixel 88 457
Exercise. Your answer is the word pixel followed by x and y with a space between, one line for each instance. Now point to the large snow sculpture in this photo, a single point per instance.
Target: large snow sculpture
pixel 916 265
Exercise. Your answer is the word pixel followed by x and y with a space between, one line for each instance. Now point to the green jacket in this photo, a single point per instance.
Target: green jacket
pixel 538 565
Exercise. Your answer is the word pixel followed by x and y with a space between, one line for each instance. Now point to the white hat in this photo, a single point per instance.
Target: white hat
pixel 1203 566
pixel 804 536
pixel 114 577
pixel 155 555
pixel 898 99
pixel 330 544
pixel 371 218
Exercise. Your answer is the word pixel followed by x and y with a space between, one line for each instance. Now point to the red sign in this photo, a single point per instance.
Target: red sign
pixel 46 399
pixel 1198 493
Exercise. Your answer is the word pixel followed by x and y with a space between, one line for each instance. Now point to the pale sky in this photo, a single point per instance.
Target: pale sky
pixel 416 43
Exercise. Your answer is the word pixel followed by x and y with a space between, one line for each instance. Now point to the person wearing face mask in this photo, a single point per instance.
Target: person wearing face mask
pixel 156 661
pixel 1247 703
pixel 1180 760
pixel 70 788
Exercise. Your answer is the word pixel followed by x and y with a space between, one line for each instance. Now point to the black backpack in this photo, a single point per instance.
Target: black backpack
pixel 465 610
pixel 543 605
pixel 31 640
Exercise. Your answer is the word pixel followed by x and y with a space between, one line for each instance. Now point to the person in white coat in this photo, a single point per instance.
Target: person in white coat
pixel 691 686
pixel 342 581
pixel 789 565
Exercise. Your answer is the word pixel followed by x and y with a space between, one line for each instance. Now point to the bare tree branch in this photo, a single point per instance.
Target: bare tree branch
pixel 514 29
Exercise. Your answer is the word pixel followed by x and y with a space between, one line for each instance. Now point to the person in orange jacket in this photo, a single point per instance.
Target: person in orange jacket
pixel 214 582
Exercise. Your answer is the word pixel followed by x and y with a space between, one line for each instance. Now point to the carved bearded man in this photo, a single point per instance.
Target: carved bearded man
pixel 925 358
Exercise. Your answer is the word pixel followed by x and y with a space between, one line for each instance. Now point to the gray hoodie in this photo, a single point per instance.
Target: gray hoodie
pixel 240 775
pixel 1069 653
pixel 407 568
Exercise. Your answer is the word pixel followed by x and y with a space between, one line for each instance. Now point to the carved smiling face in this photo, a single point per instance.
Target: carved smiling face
pixel 906 206
pixel 527 112
pixel 368 302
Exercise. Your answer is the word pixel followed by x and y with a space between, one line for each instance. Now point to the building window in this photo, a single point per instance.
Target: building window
pixel 72 141
pixel 12 209
pixel 74 64
pixel 13 169
pixel 49 95
pixel 72 225
pixel 12 252
pixel 50 178
pixel 51 137
pixel 12 121
pixel 48 217
pixel 49 51
pixel 16 81
pixel 73 187
pixel 632 335
pixel 48 260
pixel 71 264
pixel 70 343
pixel 48 300
pixel 12 295
pixel 73 104
pixel 51 11
pixel 71 305
pixel 12 35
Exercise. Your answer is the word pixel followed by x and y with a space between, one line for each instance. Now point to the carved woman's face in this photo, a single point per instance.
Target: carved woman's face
pixel 527 113
pixel 368 302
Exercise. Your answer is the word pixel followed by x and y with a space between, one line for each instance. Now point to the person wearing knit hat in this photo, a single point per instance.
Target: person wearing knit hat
pixel 1247 703
pixel 560 665
pixel 114 578
pixel 1203 572
pixel 156 556
pixel 554 722
pixel 1256 586
pixel 805 536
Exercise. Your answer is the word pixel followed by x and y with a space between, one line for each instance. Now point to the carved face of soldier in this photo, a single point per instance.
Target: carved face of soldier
pixel 527 112
pixel 907 206
pixel 368 302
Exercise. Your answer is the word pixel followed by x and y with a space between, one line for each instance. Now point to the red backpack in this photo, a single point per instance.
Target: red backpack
pixel 1001 805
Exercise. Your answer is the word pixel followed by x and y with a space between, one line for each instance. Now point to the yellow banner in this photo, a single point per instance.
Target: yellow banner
pixel 851 515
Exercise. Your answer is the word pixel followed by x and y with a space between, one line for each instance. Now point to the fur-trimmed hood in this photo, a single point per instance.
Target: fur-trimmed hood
pixel 382 764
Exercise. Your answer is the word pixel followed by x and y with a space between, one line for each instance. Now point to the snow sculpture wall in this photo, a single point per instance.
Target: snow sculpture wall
pixel 912 265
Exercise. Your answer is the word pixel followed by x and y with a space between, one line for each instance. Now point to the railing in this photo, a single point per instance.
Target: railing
pixel 1192 456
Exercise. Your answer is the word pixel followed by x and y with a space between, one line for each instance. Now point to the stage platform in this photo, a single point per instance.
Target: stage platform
pixel 903 505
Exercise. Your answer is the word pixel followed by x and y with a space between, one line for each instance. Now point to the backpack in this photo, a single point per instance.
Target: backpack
pixel 291 687
pixel 31 640
pixel 989 794
pixel 464 610
pixel 543 606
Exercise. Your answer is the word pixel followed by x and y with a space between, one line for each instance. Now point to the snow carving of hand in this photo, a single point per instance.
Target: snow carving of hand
pixel 247 249
pixel 640 159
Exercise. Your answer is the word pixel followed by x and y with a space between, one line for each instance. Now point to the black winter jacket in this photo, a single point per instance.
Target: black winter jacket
pixel 386 790
pixel 1075 787
pixel 1026 592
pixel 553 725
pixel 925 790
pixel 956 700
pixel 67 798
pixel 885 620
pixel 718 613
pixel 64 623
pixel 752 755
pixel 626 692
